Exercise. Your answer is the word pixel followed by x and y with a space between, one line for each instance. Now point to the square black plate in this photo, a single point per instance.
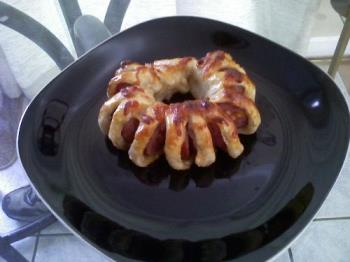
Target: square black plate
pixel 246 209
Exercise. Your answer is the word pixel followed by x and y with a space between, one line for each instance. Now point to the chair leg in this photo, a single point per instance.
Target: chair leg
pixel 115 14
pixel 9 253
pixel 71 12
pixel 341 46
pixel 30 229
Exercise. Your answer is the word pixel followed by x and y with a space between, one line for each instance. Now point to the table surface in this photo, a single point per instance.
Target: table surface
pixel 307 27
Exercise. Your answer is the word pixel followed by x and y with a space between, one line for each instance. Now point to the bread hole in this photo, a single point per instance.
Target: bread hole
pixel 179 98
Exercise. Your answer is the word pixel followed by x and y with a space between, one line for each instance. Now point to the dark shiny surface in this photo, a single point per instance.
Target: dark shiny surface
pixel 246 209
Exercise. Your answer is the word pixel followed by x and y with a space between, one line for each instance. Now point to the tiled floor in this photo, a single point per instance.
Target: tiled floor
pixel 65 248
pixel 26 247
pixel 323 241
pixel 56 243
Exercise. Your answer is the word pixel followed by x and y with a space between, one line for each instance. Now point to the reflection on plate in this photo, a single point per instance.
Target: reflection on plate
pixel 224 167
pixel 137 245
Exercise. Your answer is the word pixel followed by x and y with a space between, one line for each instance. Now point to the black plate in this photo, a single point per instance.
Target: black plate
pixel 249 208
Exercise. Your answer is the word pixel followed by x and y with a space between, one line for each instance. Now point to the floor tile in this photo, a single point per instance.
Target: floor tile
pixel 55 228
pixel 25 247
pixel 283 257
pixel 67 249
pixel 337 203
pixel 324 241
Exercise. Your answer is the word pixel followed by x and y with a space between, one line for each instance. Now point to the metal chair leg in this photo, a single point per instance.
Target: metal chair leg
pixel 71 12
pixel 341 46
pixel 8 252
pixel 115 14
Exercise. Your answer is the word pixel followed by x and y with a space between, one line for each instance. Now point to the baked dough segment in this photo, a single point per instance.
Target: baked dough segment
pixel 136 119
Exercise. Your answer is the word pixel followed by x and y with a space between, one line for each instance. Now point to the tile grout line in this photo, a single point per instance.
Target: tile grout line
pixel 331 218
pixel 291 258
pixel 35 247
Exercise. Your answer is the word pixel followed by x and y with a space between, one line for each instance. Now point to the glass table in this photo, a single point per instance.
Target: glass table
pixel 40 38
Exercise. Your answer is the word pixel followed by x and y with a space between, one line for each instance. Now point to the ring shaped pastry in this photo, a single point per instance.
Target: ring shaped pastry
pixel 136 117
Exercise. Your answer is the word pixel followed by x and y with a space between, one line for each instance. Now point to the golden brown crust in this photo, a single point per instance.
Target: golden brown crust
pixel 135 118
